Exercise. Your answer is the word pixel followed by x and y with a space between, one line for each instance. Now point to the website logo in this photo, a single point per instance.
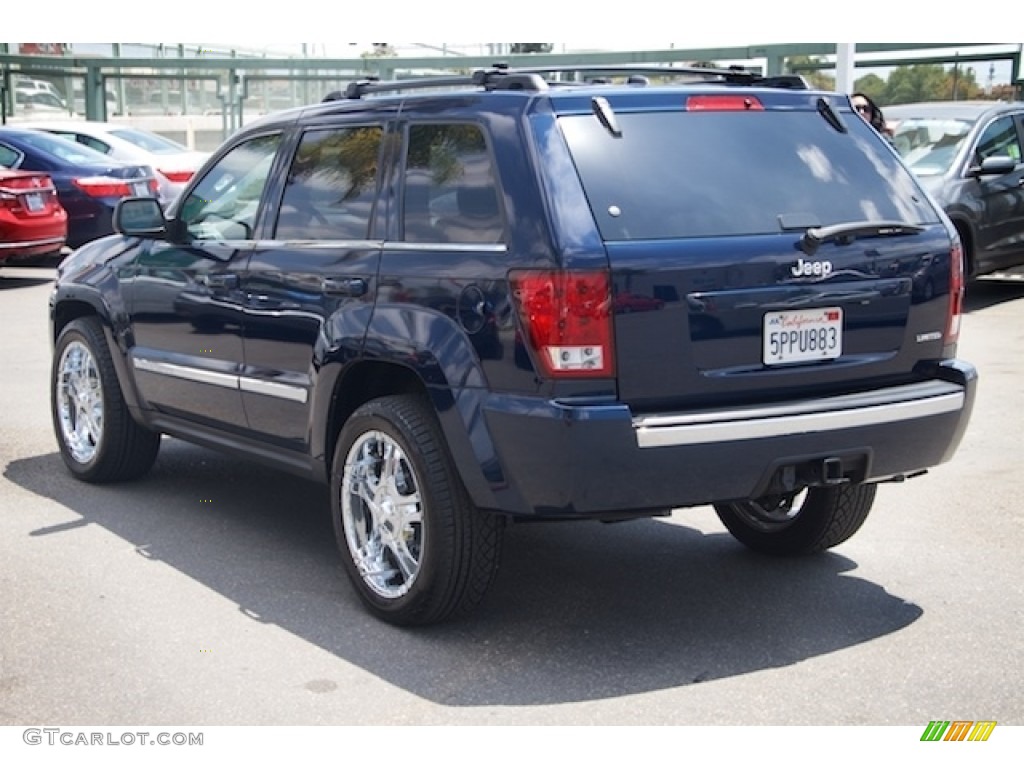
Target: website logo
pixel 958 730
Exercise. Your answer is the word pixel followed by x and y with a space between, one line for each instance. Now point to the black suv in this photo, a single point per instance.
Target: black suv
pixel 472 300
pixel 967 155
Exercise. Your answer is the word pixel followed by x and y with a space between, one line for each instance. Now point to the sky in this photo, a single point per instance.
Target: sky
pixel 593 25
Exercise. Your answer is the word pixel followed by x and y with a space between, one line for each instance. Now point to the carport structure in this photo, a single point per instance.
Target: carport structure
pixel 232 80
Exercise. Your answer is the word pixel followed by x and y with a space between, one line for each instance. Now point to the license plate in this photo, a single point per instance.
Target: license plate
pixel 35 202
pixel 141 189
pixel 796 336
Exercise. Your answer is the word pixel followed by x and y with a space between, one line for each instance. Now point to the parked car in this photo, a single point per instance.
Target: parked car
pixel 32 220
pixel 29 86
pixel 968 156
pixel 174 164
pixel 37 104
pixel 88 184
pixel 406 292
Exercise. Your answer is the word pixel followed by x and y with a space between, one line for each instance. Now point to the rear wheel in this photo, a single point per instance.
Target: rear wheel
pixel 799 523
pixel 414 546
pixel 98 438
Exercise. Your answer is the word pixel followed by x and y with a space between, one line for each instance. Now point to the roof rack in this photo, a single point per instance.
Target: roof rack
pixel 500 77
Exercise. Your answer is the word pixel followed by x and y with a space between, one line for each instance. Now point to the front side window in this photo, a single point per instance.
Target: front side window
pixel 450 193
pixel 224 204
pixel 999 139
pixel 331 185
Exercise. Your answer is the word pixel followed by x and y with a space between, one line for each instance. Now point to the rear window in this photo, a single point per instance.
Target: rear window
pixel 702 174
pixel 150 142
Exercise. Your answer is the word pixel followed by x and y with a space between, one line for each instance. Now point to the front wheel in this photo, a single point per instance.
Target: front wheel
pixel 98 438
pixel 413 545
pixel 799 523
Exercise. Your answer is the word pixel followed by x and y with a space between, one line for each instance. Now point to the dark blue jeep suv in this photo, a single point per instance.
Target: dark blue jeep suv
pixel 466 301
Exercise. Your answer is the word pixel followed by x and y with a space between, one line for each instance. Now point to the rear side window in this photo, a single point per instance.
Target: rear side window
pixel 704 174
pixel 88 141
pixel 9 158
pixel 450 193
pixel 331 185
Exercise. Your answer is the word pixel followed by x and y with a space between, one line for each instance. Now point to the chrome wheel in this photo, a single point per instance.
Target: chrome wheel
pixel 382 514
pixel 80 402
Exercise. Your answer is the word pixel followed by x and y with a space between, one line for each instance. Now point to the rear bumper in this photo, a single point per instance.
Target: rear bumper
pixel 560 459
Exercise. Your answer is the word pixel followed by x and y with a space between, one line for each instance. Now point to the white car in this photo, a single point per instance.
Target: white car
pixel 173 163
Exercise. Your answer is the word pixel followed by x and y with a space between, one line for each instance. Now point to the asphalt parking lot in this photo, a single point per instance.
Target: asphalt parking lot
pixel 210 592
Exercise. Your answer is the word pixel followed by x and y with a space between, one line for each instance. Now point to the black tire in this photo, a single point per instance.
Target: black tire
pixel 426 522
pixel 105 444
pixel 799 524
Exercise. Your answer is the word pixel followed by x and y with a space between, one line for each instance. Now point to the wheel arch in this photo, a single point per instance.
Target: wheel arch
pixel 965 230
pixel 367 379
pixel 77 303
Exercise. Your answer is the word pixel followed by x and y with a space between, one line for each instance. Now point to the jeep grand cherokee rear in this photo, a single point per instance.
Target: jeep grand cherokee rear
pixel 524 300
pixel 795 362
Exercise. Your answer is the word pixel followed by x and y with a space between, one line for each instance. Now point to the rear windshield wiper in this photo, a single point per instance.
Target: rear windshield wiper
pixel 831 116
pixel 846 233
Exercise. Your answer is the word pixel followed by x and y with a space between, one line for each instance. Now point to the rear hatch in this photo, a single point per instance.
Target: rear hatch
pixel 763 245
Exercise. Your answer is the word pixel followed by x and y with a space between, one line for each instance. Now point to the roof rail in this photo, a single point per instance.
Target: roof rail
pixel 500 77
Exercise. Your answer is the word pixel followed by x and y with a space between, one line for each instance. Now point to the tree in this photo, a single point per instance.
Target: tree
pixel 816 77
pixel 915 82
pixel 531 47
pixel 963 80
pixel 873 87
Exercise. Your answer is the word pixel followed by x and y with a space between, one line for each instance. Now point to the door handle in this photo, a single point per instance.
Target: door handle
pixel 343 286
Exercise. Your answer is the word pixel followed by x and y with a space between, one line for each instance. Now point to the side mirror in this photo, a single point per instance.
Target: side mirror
pixel 140 217
pixel 994 166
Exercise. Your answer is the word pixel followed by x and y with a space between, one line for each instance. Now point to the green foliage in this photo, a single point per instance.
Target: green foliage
pixel 871 86
pixel 816 77
pixel 905 84
pixel 965 82
pixel 931 82
pixel 916 82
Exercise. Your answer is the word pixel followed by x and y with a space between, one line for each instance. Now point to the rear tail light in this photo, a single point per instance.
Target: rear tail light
pixel 956 293
pixel 178 177
pixel 9 200
pixel 103 186
pixel 154 186
pixel 567 318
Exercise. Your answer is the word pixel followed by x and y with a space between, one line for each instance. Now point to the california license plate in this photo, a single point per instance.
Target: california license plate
pixel 799 335
pixel 35 202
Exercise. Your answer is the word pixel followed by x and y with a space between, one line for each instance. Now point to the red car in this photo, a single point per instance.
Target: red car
pixel 32 220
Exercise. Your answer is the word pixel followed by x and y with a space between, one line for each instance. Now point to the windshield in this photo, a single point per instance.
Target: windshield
pixel 676 174
pixel 150 142
pixel 928 145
